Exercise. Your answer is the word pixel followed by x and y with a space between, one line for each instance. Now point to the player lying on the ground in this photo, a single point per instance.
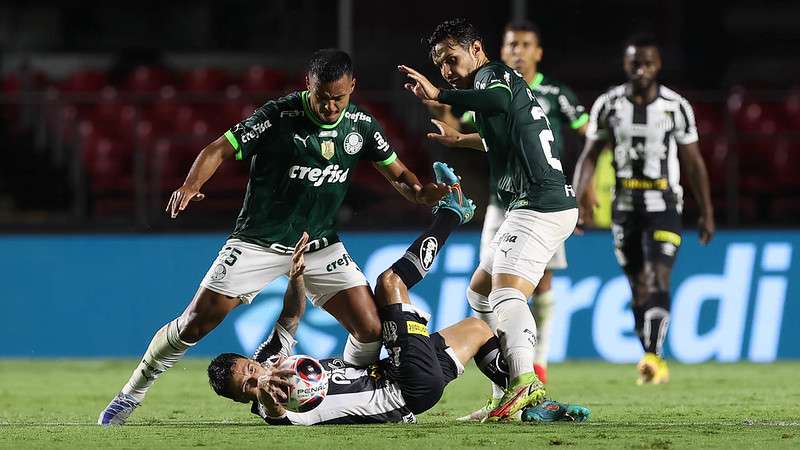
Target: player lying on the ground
pixel 412 379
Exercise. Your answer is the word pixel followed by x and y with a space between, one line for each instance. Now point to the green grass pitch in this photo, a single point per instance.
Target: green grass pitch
pixel 54 403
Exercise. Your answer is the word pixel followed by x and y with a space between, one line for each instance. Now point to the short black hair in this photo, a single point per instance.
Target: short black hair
pixel 524 25
pixel 641 39
pixel 330 64
pixel 458 30
pixel 220 373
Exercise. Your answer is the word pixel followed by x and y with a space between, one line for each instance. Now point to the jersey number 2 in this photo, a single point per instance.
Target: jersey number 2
pixel 546 137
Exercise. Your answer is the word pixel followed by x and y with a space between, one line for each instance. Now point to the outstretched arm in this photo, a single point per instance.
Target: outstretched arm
pixel 695 170
pixel 203 167
pixel 409 186
pixel 493 99
pixel 450 137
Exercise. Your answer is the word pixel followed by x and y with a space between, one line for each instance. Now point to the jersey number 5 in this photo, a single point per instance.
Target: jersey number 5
pixel 545 138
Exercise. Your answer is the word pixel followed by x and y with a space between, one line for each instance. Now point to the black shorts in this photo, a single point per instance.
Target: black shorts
pixel 654 237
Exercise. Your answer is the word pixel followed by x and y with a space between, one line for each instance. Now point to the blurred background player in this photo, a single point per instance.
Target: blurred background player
pixel 522 50
pixel 542 213
pixel 652 132
pixel 303 148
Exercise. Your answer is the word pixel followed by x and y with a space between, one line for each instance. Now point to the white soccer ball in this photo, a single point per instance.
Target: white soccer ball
pixel 310 383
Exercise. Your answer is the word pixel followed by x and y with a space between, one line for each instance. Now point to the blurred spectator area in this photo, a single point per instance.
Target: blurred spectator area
pixel 120 147
pixel 89 147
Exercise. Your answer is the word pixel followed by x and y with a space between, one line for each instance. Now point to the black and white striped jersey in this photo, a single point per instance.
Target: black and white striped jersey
pixel 356 395
pixel 644 140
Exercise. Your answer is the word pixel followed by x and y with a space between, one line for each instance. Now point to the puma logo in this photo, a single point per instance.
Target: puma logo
pixel 297 136
pixel 505 251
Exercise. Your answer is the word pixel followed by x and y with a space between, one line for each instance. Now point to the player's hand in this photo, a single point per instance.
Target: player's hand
pixel 431 193
pixel 447 136
pixel 180 199
pixel 420 86
pixel 274 385
pixel 437 109
pixel 298 261
pixel 706 228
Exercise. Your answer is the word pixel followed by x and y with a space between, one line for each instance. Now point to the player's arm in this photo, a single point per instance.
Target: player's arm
pixel 596 140
pixel 496 98
pixel 573 111
pixel 451 137
pixel 202 169
pixel 695 170
pixel 408 185
pixel 584 172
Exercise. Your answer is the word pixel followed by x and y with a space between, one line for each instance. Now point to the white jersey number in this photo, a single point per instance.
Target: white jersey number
pixel 546 137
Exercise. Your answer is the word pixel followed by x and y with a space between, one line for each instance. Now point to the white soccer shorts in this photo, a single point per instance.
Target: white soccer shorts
pixel 495 215
pixel 527 241
pixel 243 269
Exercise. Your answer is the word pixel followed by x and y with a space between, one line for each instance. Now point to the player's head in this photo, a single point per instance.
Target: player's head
pixel 330 83
pixel 522 46
pixel 235 377
pixel 457 50
pixel 642 60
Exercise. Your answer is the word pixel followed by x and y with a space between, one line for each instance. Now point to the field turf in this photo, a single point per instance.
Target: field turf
pixel 54 403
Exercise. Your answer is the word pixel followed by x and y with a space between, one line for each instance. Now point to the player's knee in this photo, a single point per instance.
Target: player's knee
pixel 389 280
pixel 481 282
pixel 368 330
pixel 478 303
pixel 477 328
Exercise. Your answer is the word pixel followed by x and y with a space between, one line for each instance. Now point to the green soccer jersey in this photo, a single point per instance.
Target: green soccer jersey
pixel 562 108
pixel 520 143
pixel 300 169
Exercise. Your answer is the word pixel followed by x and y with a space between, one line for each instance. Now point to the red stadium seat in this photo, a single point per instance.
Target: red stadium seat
pixel 205 80
pixel 147 80
pixel 108 164
pixel 88 80
pixel 260 79
pixel 709 118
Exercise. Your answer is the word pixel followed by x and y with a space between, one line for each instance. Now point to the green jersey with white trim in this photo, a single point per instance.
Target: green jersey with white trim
pixel 519 142
pixel 562 108
pixel 300 169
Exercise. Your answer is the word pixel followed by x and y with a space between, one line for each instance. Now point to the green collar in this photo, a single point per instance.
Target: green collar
pixel 537 80
pixel 313 117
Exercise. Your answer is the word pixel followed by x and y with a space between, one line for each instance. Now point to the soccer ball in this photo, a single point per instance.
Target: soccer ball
pixel 310 380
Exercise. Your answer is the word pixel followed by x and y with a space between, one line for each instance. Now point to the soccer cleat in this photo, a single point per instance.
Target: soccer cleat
pixel 455 201
pixel 481 414
pixel 118 411
pixel 517 397
pixel 541 372
pixel 551 411
pixel 652 370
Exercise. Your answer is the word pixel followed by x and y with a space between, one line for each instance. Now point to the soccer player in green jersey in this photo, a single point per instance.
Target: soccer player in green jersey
pixel 542 213
pixel 302 150
pixel 522 51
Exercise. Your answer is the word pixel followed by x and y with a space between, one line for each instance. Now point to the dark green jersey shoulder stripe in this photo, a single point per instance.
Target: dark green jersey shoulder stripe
pixel 499 85
pixel 235 144
pixel 313 117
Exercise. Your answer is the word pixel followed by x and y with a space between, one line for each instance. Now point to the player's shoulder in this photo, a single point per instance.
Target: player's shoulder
pixel 611 96
pixel 290 105
pixel 357 113
pixel 493 70
pixel 671 95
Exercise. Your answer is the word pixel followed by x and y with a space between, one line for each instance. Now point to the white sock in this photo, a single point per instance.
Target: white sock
pixel 482 309
pixel 361 354
pixel 164 351
pixel 542 309
pixel 515 328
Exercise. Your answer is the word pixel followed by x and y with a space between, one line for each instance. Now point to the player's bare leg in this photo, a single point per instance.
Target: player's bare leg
pixel 206 310
pixel 542 309
pixel 355 309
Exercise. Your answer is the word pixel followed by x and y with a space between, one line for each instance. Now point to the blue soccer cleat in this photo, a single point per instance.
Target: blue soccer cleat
pixel 550 411
pixel 455 201
pixel 118 411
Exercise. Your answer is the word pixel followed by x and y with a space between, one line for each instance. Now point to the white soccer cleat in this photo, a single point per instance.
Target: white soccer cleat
pixel 118 411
